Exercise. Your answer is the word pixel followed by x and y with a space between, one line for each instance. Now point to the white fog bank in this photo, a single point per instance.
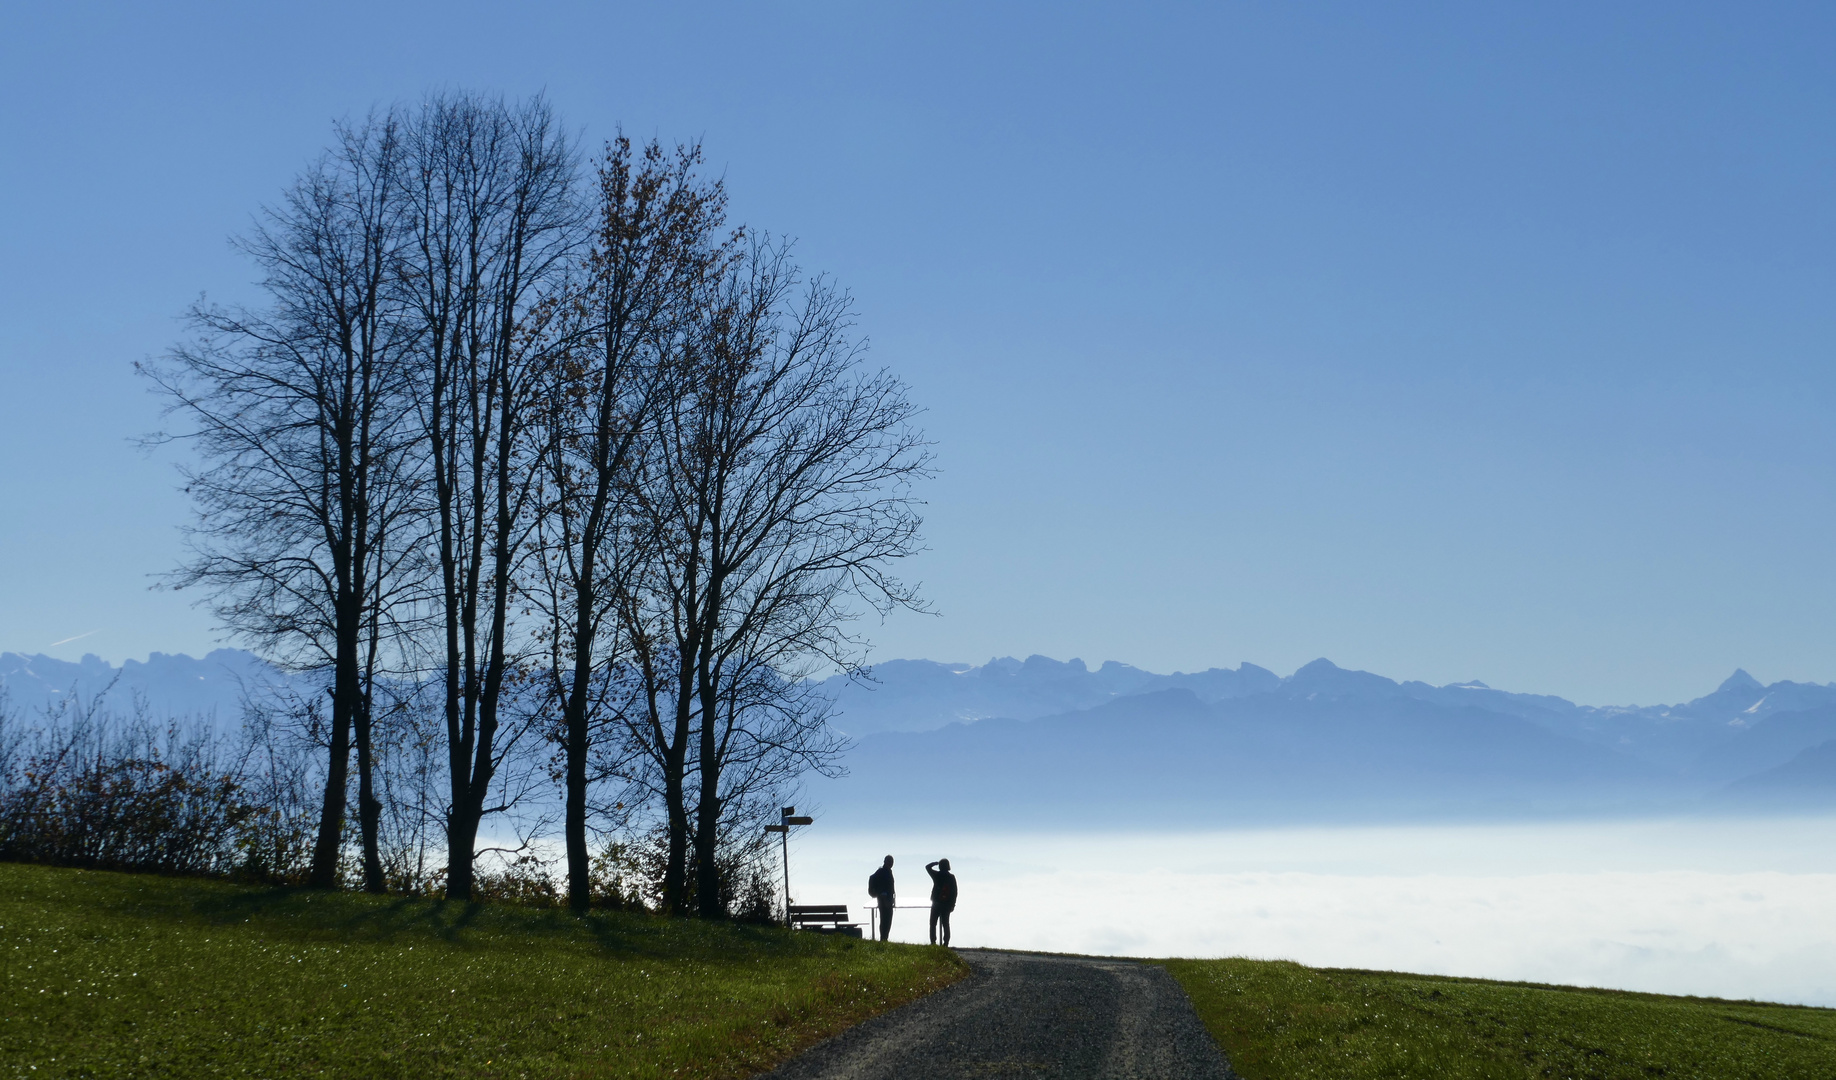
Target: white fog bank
pixel 1728 908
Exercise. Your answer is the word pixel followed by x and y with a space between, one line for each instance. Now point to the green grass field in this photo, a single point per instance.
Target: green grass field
pixel 1282 1021
pixel 125 975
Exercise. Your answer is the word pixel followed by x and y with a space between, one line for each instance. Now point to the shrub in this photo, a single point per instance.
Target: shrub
pixel 87 789
pixel 524 880
pixel 82 791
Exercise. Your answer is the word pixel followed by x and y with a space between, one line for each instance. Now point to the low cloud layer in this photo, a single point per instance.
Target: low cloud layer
pixel 1724 909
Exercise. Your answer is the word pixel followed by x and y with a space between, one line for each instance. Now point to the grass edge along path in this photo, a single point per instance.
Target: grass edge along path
pixel 1279 1020
pixel 107 974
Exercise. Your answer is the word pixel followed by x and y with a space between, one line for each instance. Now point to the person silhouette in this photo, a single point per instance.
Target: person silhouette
pixel 943 897
pixel 880 887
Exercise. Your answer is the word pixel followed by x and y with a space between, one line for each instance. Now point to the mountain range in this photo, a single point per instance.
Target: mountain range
pixel 165 685
pixel 1041 739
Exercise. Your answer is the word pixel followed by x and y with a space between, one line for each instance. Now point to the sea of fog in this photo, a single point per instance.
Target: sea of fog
pixel 1725 908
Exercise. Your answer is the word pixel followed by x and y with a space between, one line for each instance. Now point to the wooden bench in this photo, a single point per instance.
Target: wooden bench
pixel 823 918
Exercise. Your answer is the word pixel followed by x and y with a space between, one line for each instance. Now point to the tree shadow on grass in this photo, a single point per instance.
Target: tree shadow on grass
pixel 350 916
pixel 360 917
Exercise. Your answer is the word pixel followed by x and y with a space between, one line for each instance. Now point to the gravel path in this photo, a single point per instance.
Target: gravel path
pixel 1023 1014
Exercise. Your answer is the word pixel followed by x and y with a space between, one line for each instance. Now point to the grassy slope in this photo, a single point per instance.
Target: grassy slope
pixel 119 975
pixel 1281 1020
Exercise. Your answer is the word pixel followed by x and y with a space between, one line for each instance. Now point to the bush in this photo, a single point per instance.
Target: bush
pixel 616 878
pixel 81 791
pixel 748 889
pixel 525 880
pixel 87 789
pixel 81 787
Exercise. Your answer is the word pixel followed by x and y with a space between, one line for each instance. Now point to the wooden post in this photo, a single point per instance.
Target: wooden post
pixel 787 816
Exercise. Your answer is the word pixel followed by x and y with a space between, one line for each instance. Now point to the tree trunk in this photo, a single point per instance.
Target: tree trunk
pixel 461 842
pixel 574 713
pixel 369 808
pixel 324 873
pixel 458 755
pixel 707 819
pixel 579 878
pixel 675 869
pixel 675 783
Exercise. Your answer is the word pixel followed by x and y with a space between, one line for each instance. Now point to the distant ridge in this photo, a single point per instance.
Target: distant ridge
pixel 922 695
pixel 1051 735
pixel 169 685
pixel 918 695
pixel 1045 738
pixel 1806 782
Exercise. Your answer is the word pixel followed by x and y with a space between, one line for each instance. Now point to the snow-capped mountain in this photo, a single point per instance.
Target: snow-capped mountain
pixel 168 685
pixel 1043 738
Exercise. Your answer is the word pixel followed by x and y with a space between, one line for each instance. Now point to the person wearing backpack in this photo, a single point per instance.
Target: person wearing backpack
pixel 880 887
pixel 943 897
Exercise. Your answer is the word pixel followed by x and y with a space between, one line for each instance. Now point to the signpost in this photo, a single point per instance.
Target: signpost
pixel 787 816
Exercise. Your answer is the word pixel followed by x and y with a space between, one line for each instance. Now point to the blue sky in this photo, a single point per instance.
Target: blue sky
pixel 1447 341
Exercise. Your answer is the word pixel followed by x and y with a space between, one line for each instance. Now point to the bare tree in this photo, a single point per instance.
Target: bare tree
pixel 779 496
pixel 493 222
pixel 620 329
pixel 498 461
pixel 658 717
pixel 303 497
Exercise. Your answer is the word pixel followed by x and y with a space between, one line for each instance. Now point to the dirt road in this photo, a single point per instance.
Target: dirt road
pixel 1034 1016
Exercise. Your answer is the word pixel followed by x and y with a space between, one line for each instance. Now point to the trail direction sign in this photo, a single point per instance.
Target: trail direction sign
pixel 787 816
